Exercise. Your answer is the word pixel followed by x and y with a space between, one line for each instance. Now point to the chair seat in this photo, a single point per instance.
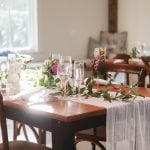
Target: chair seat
pixel 99 135
pixel 94 136
pixel 23 145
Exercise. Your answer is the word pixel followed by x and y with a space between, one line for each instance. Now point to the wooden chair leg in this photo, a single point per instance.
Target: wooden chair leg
pixel 141 78
pixel 148 85
pixel 25 132
pixel 93 146
pixel 127 78
pixel 93 142
pixel 15 130
pixel 40 135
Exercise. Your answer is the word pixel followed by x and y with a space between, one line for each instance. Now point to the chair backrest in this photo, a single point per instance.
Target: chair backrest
pixel 146 60
pixel 123 56
pixel 114 42
pixel 3 125
pixel 140 71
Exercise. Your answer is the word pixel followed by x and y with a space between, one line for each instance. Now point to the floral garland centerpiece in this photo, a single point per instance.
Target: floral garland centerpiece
pixel 47 77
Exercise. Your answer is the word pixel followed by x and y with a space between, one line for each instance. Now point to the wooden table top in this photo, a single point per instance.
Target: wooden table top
pixel 62 110
pixel 65 110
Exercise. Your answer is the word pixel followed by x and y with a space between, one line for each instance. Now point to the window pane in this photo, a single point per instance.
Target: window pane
pixel 4 5
pixel 20 5
pixel 4 35
pixel 19 30
pixel 15 24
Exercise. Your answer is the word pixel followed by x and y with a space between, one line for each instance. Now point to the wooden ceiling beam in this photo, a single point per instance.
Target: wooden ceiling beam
pixel 112 16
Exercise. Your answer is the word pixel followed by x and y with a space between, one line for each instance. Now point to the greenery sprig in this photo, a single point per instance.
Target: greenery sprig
pixel 134 52
pixel 122 94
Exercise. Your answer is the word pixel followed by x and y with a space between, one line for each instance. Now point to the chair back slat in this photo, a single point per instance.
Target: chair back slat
pixel 3 125
pixel 129 69
pixel 123 56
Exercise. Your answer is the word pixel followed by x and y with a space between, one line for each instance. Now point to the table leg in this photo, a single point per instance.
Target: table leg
pixel 63 138
pixel 15 130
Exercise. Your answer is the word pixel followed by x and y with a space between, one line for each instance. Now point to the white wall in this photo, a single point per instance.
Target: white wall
pixel 133 16
pixel 65 25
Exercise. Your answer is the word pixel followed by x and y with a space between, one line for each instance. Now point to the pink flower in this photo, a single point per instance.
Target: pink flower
pixel 54 68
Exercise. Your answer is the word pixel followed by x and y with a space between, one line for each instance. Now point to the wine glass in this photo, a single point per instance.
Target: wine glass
pixel 78 74
pixel 55 57
pixel 64 72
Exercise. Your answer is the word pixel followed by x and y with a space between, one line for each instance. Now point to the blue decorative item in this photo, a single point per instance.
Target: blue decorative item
pixel 7 52
pixel 20 57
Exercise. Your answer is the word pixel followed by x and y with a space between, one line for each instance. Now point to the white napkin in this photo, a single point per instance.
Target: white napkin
pixel 36 95
pixel 103 82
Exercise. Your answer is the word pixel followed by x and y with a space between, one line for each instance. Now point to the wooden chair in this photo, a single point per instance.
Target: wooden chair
pixel 40 135
pixel 125 59
pixel 129 69
pixel 14 145
pixel 146 61
pixel 96 135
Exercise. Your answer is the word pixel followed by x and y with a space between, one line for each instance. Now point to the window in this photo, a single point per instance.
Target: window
pixel 17 24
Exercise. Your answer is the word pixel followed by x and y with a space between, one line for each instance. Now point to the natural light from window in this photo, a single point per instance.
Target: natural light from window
pixel 18 26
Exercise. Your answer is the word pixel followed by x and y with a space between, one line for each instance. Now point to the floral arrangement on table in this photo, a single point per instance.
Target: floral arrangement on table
pixel 47 74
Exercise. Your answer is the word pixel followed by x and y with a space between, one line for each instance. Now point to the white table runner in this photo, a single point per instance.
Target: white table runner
pixel 127 123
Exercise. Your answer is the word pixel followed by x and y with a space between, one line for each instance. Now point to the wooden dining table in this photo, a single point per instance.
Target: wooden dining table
pixel 63 118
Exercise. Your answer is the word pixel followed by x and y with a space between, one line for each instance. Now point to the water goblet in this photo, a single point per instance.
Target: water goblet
pixel 78 75
pixel 64 72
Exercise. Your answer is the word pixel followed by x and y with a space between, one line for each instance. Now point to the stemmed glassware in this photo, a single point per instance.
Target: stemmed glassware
pixel 55 57
pixel 64 71
pixel 78 74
